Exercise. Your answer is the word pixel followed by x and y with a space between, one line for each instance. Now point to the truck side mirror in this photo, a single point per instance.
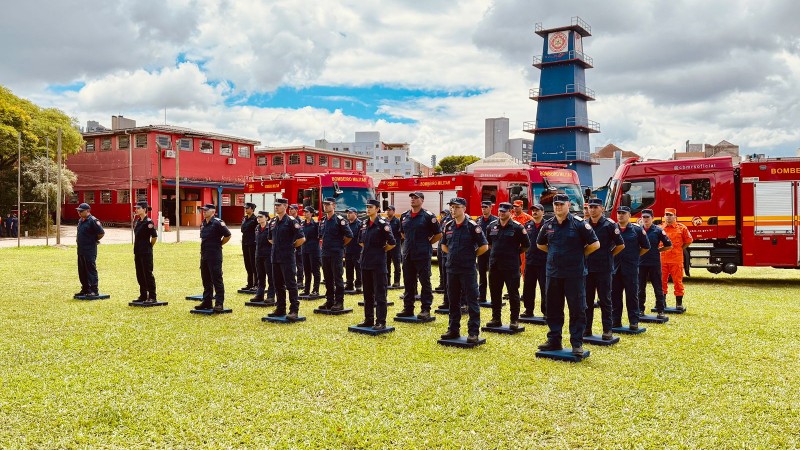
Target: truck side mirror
pixel 625 200
pixel 385 195
pixel 626 186
pixel 385 204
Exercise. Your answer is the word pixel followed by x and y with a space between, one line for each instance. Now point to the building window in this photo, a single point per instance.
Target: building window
pixel 335 163
pixel 141 141
pixel 294 159
pixel 73 198
pixel 124 196
pixel 323 160
pixel 105 196
pixel 347 149
pixel 387 171
pixel 386 160
pixel 397 159
pixel 226 149
pixel 123 142
pixel 336 149
pixel 696 190
pixel 141 195
pixel 244 151
pixel 105 144
pixel 359 165
pixel 90 145
pixel 261 160
pixel 277 160
pixel 348 163
pixel 163 141
pixel 310 159
pixel 88 197
pixel 185 144
pixel 207 147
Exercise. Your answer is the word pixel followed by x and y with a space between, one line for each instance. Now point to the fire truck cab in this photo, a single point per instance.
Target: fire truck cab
pixel 349 190
pixel 739 215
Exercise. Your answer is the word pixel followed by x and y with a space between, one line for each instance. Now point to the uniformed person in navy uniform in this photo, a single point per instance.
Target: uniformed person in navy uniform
pixel 90 231
pixel 335 234
pixel 213 235
pixel 375 238
pixel 650 263
pixel 145 236
pixel 507 240
pixel 600 266
pixel 463 240
pixel 393 256
pixel 567 239
pixel 311 252
pixel 294 212
pixel 352 252
pixel 263 260
pixel 483 260
pixel 445 217
pixel 626 270
pixel 420 230
pixel 535 266
pixel 285 234
pixel 249 224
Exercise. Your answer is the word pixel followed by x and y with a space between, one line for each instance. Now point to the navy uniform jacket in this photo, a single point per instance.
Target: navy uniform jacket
pixel 211 234
pixel 283 233
pixel 565 242
pixel 263 247
pixel 635 238
pixel 534 256
pixel 461 242
pixel 353 248
pixel 442 225
pixel 249 225
pixel 143 230
pixel 417 232
pixel 374 237
pixel 311 233
pixel 332 232
pixel 484 223
pixel 394 222
pixel 88 230
pixel 507 242
pixel 608 234
pixel 655 235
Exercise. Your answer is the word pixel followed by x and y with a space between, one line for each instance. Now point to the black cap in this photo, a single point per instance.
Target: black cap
pixel 390 207
pixel 351 210
pixel 624 209
pixel 293 206
pixel 142 205
pixel 504 207
pixel 595 202
pixel 250 205
pixel 263 213
pixel 486 203
pixel 647 212
pixel 417 194
pixel 309 209
pixel 281 201
pixel 374 203
pixel 560 198
pixel 538 206
pixel 83 207
pixel 208 206
pixel 329 200
pixel 458 201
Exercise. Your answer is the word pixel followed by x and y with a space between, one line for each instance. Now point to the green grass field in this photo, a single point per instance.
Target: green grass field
pixel 104 375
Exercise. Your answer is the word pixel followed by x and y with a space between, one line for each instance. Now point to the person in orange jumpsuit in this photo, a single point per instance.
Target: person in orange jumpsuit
pixel 521 217
pixel 672 260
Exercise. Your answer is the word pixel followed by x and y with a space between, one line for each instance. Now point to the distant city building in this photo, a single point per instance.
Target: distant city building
pixel 496 135
pixel 724 148
pixel 382 157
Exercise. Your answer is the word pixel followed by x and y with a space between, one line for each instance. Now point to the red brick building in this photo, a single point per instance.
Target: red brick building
pixel 276 161
pixel 213 169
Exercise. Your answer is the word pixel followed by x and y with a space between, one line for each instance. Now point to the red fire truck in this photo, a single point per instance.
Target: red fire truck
pixel 743 214
pixel 350 190
pixel 535 184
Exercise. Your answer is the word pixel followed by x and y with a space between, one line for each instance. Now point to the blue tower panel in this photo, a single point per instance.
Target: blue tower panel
pixel 555 79
pixel 553 112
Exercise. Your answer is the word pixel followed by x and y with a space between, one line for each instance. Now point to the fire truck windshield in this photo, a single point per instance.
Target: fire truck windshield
pixel 545 197
pixel 611 195
pixel 350 197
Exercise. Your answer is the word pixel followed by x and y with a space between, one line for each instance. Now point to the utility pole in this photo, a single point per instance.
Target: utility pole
pixel 130 179
pixel 178 193
pixel 160 203
pixel 47 194
pixel 19 187
pixel 58 192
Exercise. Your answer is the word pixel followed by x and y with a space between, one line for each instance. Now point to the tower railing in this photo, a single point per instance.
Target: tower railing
pixel 535 93
pixel 571 55
pixel 581 23
pixel 583 122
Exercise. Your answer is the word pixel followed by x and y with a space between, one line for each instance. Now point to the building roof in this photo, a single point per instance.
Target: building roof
pixel 609 150
pixel 499 159
pixel 307 149
pixel 187 132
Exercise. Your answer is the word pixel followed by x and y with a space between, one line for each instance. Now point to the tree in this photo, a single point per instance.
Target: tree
pixel 454 164
pixel 35 124
pixel 39 186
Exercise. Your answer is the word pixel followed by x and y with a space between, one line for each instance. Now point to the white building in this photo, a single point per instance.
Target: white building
pixel 497 140
pixel 387 158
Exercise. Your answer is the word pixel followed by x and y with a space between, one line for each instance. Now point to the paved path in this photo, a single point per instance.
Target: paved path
pixel 117 236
